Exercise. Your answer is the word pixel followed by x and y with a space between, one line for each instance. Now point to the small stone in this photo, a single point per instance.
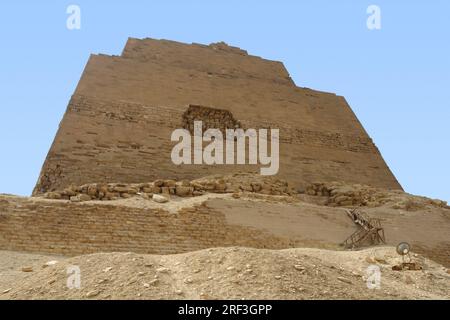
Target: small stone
pixel 159 198
pixel 299 267
pixel 146 285
pixel 188 281
pixel 75 199
pixel 344 280
pixel 7 290
pixel 50 263
pixel 278 277
pixel 27 269
pixel 107 269
pixel 162 270
pixel 92 294
pixel 183 191
pixel 178 292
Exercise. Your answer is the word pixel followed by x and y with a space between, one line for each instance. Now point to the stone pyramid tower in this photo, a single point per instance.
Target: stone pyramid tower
pixel 119 121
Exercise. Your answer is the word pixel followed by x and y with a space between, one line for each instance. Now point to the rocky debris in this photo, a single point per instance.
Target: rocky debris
pixel 339 194
pixel 220 273
pixel 237 183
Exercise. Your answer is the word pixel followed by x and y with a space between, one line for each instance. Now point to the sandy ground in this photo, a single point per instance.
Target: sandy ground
pixel 223 273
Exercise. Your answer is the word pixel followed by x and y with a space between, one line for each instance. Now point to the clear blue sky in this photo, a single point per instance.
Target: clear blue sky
pixel 397 79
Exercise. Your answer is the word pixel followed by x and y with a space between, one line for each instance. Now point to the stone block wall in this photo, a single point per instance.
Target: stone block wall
pixel 57 227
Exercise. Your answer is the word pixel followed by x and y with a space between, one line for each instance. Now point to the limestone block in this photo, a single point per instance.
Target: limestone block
pixel 160 198
pixel 53 195
pixel 183 191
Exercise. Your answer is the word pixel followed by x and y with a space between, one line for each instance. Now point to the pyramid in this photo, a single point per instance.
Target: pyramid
pixel 118 124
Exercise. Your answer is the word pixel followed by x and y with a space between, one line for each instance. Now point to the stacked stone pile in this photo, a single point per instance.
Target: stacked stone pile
pixel 161 190
pixel 344 195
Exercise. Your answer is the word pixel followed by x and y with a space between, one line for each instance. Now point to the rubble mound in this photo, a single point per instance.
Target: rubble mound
pixel 239 182
pixel 339 194
pixel 232 273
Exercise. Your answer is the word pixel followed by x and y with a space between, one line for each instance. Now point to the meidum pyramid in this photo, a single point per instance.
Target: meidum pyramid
pixel 118 124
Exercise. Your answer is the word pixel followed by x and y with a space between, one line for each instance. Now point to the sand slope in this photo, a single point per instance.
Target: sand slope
pixel 224 273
